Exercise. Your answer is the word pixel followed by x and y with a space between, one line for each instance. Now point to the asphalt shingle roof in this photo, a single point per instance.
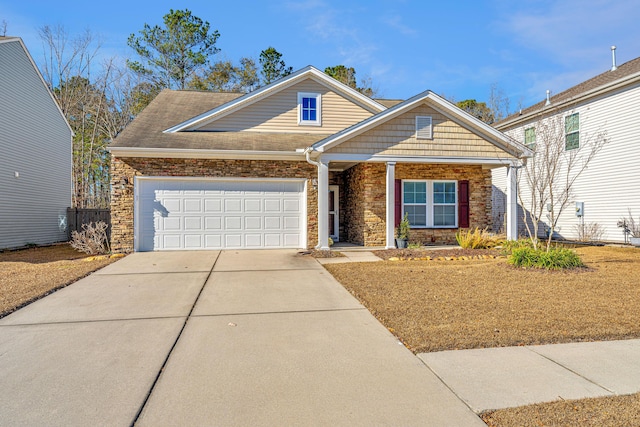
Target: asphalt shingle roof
pixel 172 107
pixel 576 92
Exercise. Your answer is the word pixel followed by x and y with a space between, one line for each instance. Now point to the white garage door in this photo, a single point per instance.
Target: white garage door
pixel 178 214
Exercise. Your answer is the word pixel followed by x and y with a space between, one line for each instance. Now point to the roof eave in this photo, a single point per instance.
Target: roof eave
pixel 189 153
pixel 609 87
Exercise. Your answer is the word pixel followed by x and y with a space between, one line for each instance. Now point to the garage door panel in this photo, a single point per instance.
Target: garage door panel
pixel 212 204
pixel 213 223
pixel 193 223
pixel 253 240
pixel 253 223
pixel 233 205
pixel 176 214
pixel 193 241
pixel 193 205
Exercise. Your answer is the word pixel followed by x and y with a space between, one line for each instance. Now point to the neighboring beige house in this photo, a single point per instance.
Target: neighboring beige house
pixel 35 153
pixel 296 162
pixel 609 104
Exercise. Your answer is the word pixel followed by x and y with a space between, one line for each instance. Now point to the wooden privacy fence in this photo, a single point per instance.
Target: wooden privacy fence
pixel 77 217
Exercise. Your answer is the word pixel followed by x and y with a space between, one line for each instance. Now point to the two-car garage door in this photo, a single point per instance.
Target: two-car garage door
pixel 184 213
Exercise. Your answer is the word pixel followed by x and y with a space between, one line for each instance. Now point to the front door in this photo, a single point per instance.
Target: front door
pixel 334 203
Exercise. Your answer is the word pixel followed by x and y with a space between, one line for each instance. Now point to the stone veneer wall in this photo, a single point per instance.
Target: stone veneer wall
pixel 123 171
pixel 365 206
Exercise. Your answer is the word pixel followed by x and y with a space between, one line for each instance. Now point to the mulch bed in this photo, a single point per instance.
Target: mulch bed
pixel 434 253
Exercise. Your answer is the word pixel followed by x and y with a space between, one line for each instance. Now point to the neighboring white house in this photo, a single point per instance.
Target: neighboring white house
pixel 35 153
pixel 610 186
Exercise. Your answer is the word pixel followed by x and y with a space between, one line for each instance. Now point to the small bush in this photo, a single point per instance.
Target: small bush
pixel 591 232
pixel 414 245
pixel 477 239
pixel 92 239
pixel 554 259
pixel 509 246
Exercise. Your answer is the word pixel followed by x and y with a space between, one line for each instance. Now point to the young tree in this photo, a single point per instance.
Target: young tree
pixel 477 109
pixel 173 53
pixel 67 70
pixel 562 153
pixel 224 76
pixel 347 75
pixel 273 67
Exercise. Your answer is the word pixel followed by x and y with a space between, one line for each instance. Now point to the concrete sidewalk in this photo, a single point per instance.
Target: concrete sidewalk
pixel 497 378
pixel 210 338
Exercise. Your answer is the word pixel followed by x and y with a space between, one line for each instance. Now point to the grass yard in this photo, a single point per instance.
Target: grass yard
pixel 614 411
pixel 29 274
pixel 448 305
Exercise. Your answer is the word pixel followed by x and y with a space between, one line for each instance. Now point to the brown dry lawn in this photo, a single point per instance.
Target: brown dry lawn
pixel 447 305
pixel 29 274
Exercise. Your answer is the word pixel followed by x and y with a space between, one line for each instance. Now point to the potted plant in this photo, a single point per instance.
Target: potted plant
pixel 402 232
pixel 631 227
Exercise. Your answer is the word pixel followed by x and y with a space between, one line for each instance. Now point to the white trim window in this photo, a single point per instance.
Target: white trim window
pixel 430 203
pixel 309 109
pixel 424 127
pixel 572 131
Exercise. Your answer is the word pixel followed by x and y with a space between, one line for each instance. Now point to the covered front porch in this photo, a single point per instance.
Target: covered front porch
pixel 362 202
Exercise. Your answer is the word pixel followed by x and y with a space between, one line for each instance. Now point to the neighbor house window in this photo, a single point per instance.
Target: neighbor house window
pixel 572 131
pixel 430 203
pixel 530 137
pixel 424 127
pixel 309 111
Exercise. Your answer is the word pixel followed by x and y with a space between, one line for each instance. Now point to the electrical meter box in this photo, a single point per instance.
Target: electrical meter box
pixel 579 209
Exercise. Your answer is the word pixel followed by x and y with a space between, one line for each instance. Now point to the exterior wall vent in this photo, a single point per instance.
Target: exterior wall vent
pixel 424 128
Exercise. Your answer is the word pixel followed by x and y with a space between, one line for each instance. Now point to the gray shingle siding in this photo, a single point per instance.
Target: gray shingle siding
pixel 35 142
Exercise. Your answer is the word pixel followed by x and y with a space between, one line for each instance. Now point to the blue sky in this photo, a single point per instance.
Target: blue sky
pixel 455 48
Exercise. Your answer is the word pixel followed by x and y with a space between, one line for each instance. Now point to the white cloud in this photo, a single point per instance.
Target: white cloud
pixel 395 22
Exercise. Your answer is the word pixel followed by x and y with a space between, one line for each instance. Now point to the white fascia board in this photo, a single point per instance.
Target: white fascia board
pixel 357 158
pixel 601 90
pixel 274 87
pixel 185 153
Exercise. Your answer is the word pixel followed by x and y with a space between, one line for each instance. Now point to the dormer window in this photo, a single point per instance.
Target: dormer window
pixel 309 109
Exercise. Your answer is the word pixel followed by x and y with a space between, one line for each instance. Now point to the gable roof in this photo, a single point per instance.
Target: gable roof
pixel 171 107
pixel 608 81
pixel 443 106
pixel 11 39
pixel 242 101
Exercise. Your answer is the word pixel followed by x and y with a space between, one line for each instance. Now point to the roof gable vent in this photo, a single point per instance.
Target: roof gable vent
pixel 424 128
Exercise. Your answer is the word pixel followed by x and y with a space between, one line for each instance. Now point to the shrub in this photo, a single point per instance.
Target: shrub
pixel 509 246
pixel 92 239
pixel 477 239
pixel 591 232
pixel 554 259
pixel 404 228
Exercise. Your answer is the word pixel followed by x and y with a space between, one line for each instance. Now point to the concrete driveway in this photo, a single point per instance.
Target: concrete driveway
pixel 213 338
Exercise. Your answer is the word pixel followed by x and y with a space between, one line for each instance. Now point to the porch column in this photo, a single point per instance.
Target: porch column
pixel 323 205
pixel 511 210
pixel 391 204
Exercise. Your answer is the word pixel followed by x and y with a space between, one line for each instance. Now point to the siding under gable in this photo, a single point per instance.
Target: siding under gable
pixel 35 142
pixel 397 137
pixel 279 113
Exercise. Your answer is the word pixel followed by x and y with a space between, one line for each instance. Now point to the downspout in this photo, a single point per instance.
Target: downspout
pixel 307 152
pixel 321 230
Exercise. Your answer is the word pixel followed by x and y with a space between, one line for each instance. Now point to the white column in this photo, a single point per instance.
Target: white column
pixel 511 210
pixel 391 204
pixel 323 206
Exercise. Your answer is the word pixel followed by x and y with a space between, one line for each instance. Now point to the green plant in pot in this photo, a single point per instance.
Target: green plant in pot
pixel 402 232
